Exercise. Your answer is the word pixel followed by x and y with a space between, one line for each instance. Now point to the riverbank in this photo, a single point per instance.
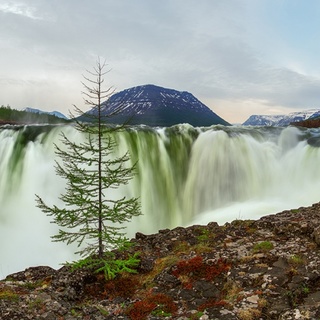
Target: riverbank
pixel 264 269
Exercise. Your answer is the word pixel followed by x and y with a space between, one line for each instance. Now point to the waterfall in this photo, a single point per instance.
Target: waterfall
pixel 185 176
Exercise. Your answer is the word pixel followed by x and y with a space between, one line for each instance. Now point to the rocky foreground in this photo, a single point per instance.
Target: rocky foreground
pixel 265 269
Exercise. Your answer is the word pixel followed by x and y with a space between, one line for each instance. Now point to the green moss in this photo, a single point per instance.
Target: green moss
pixel 196 316
pixel 296 260
pixel 204 235
pixel 160 313
pixel 8 294
pixel 296 296
pixel 31 285
pixel 36 304
pixel 263 246
pixel 181 247
pixel 103 311
pixel 202 247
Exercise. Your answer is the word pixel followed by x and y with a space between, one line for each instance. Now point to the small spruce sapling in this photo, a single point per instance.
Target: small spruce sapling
pixel 92 168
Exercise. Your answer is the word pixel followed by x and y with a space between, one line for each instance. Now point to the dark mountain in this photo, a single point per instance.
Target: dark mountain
pixel 156 106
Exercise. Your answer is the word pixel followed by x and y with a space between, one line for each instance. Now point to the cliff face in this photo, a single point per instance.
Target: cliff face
pixel 264 269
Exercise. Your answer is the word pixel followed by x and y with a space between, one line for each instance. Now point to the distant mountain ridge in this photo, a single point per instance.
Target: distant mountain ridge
pixel 53 113
pixel 281 120
pixel 157 106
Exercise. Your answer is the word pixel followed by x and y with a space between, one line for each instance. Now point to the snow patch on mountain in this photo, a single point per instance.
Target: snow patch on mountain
pixel 157 106
pixel 141 98
pixel 281 120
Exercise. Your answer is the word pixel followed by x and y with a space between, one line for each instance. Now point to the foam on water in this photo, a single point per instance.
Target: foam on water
pixel 185 176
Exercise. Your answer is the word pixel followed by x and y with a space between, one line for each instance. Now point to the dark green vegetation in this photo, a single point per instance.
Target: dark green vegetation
pixel 91 217
pixel 13 116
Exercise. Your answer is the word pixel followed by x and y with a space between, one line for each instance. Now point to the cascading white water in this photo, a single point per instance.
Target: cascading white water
pixel 256 177
pixel 185 176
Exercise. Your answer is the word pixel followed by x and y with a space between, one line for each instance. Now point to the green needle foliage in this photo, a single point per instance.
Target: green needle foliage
pixel 91 169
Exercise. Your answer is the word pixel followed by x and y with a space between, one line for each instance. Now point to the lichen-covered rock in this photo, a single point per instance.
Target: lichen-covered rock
pixel 264 269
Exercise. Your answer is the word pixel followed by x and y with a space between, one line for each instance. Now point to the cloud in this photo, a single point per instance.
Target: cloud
pixel 225 52
pixel 20 9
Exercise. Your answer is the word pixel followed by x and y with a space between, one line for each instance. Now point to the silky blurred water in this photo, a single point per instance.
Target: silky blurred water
pixel 185 176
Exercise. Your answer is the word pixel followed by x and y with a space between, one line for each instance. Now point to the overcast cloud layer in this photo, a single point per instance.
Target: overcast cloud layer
pixel 239 57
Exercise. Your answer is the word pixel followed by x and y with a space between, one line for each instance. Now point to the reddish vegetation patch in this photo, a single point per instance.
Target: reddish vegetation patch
pixel 197 268
pixel 122 287
pixel 141 309
pixel 187 267
pixel 157 303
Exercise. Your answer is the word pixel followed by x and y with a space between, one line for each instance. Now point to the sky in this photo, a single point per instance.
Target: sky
pixel 239 57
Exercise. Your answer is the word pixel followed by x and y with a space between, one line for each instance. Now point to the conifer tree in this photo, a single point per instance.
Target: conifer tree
pixel 91 168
